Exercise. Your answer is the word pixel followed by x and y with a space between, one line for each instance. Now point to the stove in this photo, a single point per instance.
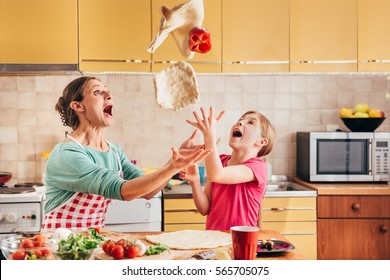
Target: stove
pixel 21 209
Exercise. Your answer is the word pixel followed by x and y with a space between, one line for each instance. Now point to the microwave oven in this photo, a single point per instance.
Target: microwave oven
pixel 343 156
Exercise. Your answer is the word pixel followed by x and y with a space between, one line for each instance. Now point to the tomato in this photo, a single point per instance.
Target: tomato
pixel 39 238
pixel 110 246
pixel 97 229
pixel 37 243
pixel 27 243
pixel 45 252
pixel 121 242
pixel 118 252
pixel 131 251
pixel 38 253
pixel 104 246
pixel 18 255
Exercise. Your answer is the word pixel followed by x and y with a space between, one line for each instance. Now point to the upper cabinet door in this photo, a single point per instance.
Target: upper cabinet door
pixel 255 35
pixel 114 35
pixel 38 32
pixel 323 35
pixel 374 42
pixel 168 53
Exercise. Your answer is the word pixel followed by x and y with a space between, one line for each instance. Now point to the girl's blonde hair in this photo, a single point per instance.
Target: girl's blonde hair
pixel 267 131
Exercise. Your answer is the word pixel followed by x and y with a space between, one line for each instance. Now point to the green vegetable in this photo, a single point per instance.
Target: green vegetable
pixel 78 246
pixel 155 250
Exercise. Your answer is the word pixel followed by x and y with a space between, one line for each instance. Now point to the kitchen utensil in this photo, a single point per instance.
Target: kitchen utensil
pixel 205 255
pixel 19 247
pixel 4 177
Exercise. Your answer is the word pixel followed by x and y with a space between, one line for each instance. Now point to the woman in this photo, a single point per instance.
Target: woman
pixel 85 171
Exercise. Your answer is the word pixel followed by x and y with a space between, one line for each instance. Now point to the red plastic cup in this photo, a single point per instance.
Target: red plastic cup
pixel 244 242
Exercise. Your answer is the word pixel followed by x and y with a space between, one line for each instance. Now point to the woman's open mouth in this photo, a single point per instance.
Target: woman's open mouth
pixel 108 110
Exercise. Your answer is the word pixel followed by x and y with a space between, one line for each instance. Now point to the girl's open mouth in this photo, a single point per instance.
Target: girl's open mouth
pixel 236 133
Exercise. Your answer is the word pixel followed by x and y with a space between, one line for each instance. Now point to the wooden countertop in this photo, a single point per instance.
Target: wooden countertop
pixel 346 188
pixel 186 254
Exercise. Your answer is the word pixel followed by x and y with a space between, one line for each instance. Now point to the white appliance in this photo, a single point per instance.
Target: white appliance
pixel 138 215
pixel 22 212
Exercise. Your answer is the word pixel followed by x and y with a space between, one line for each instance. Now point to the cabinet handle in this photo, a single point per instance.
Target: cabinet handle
pixel 355 207
pixel 374 61
pixel 383 229
pixel 322 61
pixel 278 209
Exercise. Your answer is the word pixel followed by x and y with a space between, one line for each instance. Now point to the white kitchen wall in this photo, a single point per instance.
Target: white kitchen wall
pixel 293 102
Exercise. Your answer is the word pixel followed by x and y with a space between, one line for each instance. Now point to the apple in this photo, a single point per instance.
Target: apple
pixel 360 115
pixel 373 113
pixel 362 108
pixel 346 112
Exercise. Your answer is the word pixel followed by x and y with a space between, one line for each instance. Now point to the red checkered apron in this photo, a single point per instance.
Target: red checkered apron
pixel 81 211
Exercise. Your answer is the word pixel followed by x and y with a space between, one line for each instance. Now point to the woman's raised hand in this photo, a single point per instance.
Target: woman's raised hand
pixel 182 161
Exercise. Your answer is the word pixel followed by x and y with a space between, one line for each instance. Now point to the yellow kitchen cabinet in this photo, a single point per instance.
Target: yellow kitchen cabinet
pixel 39 32
pixel 181 213
pixel 168 53
pixel 373 43
pixel 114 35
pixel 255 35
pixel 323 35
pixel 295 218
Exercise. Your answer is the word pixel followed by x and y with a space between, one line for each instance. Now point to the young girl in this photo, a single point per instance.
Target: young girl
pixel 237 182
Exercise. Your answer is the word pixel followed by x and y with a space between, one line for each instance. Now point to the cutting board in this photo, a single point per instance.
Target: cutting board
pixel 166 255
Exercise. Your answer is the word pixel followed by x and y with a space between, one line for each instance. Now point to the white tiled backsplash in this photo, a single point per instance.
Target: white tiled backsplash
pixel 293 102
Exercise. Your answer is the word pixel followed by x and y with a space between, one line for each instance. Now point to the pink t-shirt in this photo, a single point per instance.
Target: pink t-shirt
pixel 237 204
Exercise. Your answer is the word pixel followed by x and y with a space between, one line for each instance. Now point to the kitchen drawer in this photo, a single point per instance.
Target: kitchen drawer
pixel 290 202
pixel 286 215
pixel 176 227
pixel 179 204
pixel 354 206
pixel 183 217
pixel 291 227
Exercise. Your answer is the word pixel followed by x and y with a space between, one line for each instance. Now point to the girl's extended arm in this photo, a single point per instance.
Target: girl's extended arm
pixel 215 171
pixel 201 197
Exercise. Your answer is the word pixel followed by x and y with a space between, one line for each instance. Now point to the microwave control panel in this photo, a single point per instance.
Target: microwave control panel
pixel 381 154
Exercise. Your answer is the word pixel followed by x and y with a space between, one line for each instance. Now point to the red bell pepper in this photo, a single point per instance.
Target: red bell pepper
pixel 199 40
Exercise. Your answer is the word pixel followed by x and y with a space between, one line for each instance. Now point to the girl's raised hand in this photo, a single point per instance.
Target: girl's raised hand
pixel 208 123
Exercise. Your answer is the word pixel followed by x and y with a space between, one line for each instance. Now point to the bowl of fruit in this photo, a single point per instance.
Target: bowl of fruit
pixel 29 247
pixel 362 118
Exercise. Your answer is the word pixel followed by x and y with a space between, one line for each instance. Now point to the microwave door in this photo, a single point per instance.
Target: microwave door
pixel 342 160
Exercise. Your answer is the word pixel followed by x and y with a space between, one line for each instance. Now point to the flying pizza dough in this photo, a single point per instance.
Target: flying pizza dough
pixel 178 22
pixel 192 239
pixel 176 86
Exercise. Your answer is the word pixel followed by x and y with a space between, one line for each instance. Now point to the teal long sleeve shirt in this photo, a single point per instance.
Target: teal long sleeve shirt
pixel 71 169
